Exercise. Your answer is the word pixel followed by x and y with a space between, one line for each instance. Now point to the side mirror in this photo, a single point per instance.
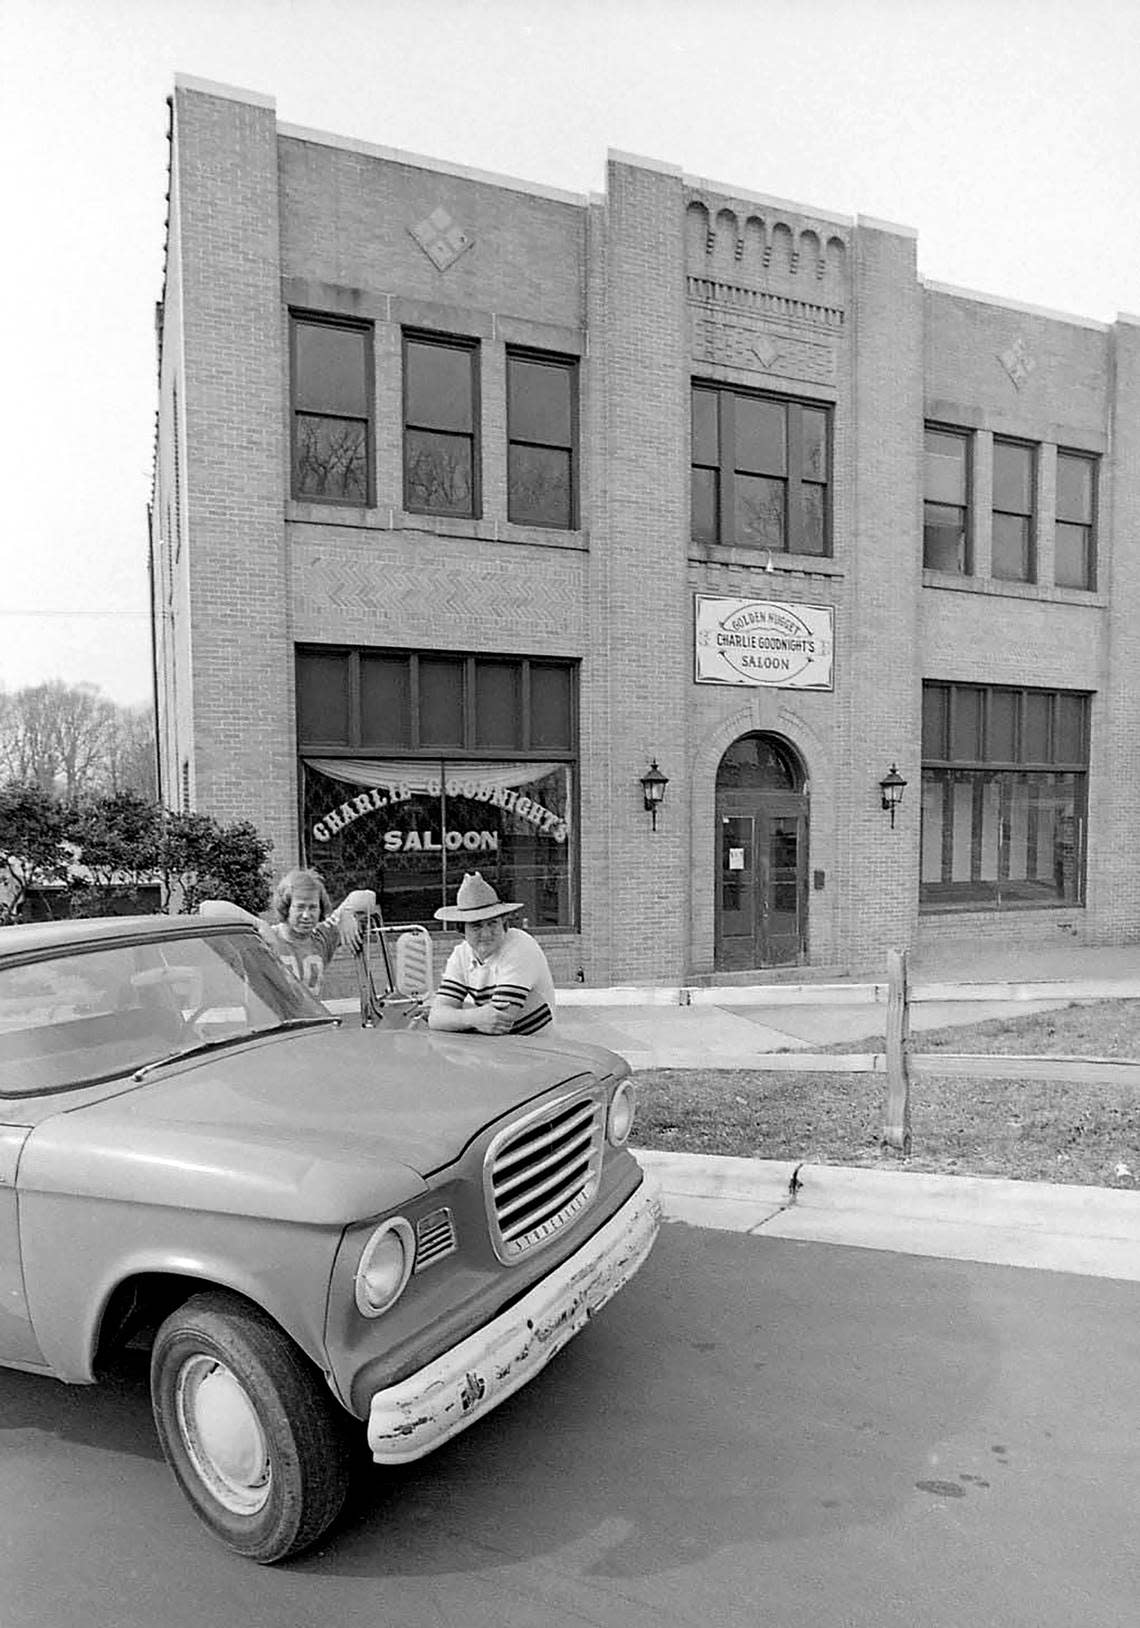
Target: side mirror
pixel 414 963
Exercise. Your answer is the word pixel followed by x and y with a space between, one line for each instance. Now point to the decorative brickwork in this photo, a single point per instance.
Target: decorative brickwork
pixel 657 282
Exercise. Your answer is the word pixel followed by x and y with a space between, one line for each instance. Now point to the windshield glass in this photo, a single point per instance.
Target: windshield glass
pixel 77 1017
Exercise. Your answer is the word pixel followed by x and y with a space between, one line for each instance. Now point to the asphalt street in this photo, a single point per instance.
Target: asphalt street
pixel 759 1431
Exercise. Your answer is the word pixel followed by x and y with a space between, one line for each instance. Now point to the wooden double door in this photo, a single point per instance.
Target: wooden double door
pixel 761 915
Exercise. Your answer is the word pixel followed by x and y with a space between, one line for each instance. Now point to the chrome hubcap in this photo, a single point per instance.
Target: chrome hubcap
pixel 223 1435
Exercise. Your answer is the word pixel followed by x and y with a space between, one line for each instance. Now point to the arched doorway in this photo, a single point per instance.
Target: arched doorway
pixel 762 855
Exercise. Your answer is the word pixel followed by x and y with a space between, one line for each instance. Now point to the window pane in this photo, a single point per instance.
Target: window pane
pixel 498 704
pixel 759 512
pixel 944 538
pixel 322 699
pixel 760 437
pixel 945 468
pixel 1001 746
pixel 523 818
pixel 1069 745
pixel 813 537
pixel 1011 548
pixel 966 725
pixel 538 487
pixel 934 710
pixel 438 386
pixel 704 506
pixel 331 459
pixel 1013 477
pixel 1074 488
pixel 441 702
pixel 705 439
pixel 551 716
pixel 813 430
pixel 1071 559
pixel 1035 727
pixel 331 376
pixel 437 473
pixel 385 701
pixel 539 401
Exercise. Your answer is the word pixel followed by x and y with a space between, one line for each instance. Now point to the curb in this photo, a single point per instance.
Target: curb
pixel 1089 1230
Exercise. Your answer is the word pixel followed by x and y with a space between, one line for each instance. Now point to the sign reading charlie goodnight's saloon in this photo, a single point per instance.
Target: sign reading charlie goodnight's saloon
pixel 761 642
pixel 412 829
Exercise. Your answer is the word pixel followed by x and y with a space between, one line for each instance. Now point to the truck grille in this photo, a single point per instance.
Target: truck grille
pixel 435 1238
pixel 543 1172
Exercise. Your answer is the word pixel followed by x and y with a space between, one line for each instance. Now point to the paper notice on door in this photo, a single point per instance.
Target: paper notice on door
pixel 736 859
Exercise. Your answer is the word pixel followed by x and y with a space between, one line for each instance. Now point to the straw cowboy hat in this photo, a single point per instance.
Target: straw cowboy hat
pixel 475 901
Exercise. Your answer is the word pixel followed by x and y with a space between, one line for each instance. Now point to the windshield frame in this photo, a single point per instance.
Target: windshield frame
pixel 88 1011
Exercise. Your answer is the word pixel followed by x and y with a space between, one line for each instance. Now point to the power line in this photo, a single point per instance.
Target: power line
pixel 37 613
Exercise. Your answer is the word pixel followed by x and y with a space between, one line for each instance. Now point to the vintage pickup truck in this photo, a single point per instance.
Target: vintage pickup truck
pixel 310 1222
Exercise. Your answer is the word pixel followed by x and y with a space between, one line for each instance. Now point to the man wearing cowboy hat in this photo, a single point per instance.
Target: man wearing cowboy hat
pixel 497 980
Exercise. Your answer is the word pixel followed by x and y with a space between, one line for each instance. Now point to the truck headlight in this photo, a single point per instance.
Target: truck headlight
pixel 620 1121
pixel 386 1263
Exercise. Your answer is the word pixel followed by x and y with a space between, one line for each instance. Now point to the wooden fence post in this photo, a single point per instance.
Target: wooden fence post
pixel 896 1126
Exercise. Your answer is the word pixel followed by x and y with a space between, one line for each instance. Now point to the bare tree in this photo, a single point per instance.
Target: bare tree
pixel 82 720
pixel 130 753
pixel 57 736
pixel 29 751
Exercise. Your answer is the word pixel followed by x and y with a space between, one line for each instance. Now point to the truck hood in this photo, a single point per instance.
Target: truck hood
pixel 326 1125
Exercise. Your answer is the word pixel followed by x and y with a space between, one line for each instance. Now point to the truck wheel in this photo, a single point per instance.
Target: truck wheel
pixel 254 1438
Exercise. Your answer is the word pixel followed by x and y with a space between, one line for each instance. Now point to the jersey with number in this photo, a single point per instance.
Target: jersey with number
pixel 307 958
pixel 515 979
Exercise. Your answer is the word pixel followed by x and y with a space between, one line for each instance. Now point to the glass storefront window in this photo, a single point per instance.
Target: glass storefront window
pixel 1004 797
pixel 994 838
pixel 410 829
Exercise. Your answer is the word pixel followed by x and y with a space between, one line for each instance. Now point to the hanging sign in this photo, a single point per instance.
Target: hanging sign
pixel 781 646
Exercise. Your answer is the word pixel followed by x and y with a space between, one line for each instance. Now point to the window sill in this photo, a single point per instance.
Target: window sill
pixel 756 559
pixel 951 582
pixel 432 525
pixel 970 908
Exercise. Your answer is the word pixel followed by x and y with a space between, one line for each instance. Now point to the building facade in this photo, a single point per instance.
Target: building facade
pixel 476 501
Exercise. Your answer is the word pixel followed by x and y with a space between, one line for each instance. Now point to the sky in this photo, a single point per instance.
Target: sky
pixel 1003 131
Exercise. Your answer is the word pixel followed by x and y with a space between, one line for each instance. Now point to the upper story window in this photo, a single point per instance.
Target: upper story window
pixel 1013 556
pixel 946 540
pixel 332 396
pixel 1074 562
pixel 441 425
pixel 542 401
pixel 760 471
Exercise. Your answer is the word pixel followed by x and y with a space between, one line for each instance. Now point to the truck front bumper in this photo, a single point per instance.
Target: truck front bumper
pixel 407 1420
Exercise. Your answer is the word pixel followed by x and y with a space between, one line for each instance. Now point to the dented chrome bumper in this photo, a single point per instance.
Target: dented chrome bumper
pixel 419 1414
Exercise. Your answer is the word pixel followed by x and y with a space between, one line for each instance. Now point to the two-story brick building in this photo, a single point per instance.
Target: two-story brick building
pixel 474 501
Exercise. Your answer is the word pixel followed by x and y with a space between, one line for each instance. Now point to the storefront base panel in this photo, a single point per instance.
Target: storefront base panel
pixel 1036 929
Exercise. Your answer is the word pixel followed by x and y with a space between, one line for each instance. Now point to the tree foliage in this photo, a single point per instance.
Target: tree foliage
pixel 107 847
pixel 200 859
pixel 32 844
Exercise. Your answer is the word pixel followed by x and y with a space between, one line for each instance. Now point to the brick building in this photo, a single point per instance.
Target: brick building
pixel 474 500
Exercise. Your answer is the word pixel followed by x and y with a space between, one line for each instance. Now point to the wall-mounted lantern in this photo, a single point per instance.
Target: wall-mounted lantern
pixel 892 786
pixel 653 784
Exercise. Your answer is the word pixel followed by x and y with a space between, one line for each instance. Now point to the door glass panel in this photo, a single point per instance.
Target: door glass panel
pixel 737 904
pixel 783 876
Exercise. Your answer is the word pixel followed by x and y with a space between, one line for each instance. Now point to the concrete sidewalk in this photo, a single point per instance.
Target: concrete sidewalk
pixel 670 1026
pixel 1046 1226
